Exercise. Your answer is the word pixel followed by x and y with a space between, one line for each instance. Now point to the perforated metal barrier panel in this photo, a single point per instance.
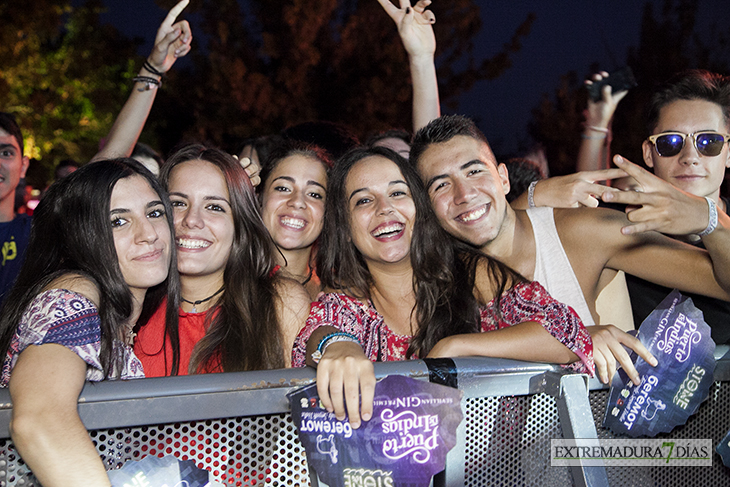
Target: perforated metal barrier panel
pixel 505 440
pixel 712 420
pixel 240 452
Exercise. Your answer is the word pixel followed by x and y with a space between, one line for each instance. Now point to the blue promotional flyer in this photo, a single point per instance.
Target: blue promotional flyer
pixel 677 335
pixel 404 444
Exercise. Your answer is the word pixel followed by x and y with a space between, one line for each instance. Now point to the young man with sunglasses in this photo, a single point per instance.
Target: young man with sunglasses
pixel 688 123
pixel 572 251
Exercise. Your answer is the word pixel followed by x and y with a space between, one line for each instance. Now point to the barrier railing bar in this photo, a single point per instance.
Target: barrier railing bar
pixel 576 421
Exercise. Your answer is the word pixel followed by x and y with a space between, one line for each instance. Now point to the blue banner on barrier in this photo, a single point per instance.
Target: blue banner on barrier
pixel 405 443
pixel 677 335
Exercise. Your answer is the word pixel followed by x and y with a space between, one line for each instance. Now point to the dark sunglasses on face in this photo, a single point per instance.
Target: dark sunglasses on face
pixel 708 143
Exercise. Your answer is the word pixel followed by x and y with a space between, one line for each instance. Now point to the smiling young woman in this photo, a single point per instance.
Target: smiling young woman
pixel 236 312
pixel 292 194
pixel 101 255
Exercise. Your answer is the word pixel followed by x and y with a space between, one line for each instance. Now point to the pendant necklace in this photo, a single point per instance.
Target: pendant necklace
pixel 196 303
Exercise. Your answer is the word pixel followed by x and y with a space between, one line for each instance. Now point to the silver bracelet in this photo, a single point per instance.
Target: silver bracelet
pixel 712 224
pixel 531 194
pixel 328 340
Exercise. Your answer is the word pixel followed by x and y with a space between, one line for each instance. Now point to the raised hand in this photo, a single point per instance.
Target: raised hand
pixel 172 40
pixel 252 169
pixel 599 113
pixel 414 26
pixel 658 205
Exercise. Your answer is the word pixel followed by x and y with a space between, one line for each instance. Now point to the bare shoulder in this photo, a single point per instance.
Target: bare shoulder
pixel 78 284
pixel 290 291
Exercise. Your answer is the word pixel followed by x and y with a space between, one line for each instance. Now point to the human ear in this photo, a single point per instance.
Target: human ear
pixel 503 177
pixel 25 162
pixel 648 148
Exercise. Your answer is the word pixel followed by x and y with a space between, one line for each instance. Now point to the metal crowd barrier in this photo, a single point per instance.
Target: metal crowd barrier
pixel 238 426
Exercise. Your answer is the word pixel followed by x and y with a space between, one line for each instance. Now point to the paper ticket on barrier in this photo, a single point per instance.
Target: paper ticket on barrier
pixel 677 335
pixel 404 444
pixel 166 471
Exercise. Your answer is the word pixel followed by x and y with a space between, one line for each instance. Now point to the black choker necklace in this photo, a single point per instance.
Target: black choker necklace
pixel 196 303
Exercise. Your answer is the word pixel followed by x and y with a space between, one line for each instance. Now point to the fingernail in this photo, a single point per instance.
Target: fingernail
pixel 355 425
pixel 654 362
pixel 366 416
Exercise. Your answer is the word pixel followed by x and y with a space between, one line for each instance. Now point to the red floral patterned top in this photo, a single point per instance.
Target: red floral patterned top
pixel 524 302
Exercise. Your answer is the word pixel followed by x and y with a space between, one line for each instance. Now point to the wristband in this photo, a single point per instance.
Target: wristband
pixel 152 70
pixel 712 223
pixel 328 340
pixel 531 194
pixel 597 129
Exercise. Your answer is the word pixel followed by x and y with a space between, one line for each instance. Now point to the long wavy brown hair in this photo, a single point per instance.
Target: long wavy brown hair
pixel 243 330
pixel 444 269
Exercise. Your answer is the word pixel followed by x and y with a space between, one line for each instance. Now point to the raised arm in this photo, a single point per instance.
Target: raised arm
pixel 596 140
pixel 416 32
pixel 171 42
pixel 45 386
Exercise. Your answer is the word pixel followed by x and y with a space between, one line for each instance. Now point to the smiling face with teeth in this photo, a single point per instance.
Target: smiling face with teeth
pixel 381 210
pixel 204 227
pixel 466 187
pixel 292 202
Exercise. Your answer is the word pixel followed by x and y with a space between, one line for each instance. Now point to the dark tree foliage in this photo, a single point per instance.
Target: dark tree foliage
pixel 271 64
pixel 670 42
pixel 63 75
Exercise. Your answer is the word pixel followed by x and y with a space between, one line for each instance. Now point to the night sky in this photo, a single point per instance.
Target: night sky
pixel 567 35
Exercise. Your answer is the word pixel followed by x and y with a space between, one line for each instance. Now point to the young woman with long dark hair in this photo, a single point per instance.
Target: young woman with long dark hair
pixel 292 193
pixel 405 289
pixel 100 255
pixel 236 311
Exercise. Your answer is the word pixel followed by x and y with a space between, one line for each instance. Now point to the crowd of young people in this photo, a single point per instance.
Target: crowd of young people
pixel 389 252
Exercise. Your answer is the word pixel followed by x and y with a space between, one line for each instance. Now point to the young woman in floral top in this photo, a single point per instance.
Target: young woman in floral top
pixel 395 271
pixel 100 240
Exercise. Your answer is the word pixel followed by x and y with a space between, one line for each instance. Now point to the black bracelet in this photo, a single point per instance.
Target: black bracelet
pixel 151 69
pixel 148 81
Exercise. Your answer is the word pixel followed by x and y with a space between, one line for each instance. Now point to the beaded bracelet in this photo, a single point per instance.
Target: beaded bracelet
pixel 148 81
pixel 328 340
pixel 531 194
pixel 712 223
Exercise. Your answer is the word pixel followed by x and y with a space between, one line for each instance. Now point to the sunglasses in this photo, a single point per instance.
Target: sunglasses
pixel 707 143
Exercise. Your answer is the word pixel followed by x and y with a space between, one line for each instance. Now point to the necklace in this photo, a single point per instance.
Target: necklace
pixel 196 303
pixel 129 335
